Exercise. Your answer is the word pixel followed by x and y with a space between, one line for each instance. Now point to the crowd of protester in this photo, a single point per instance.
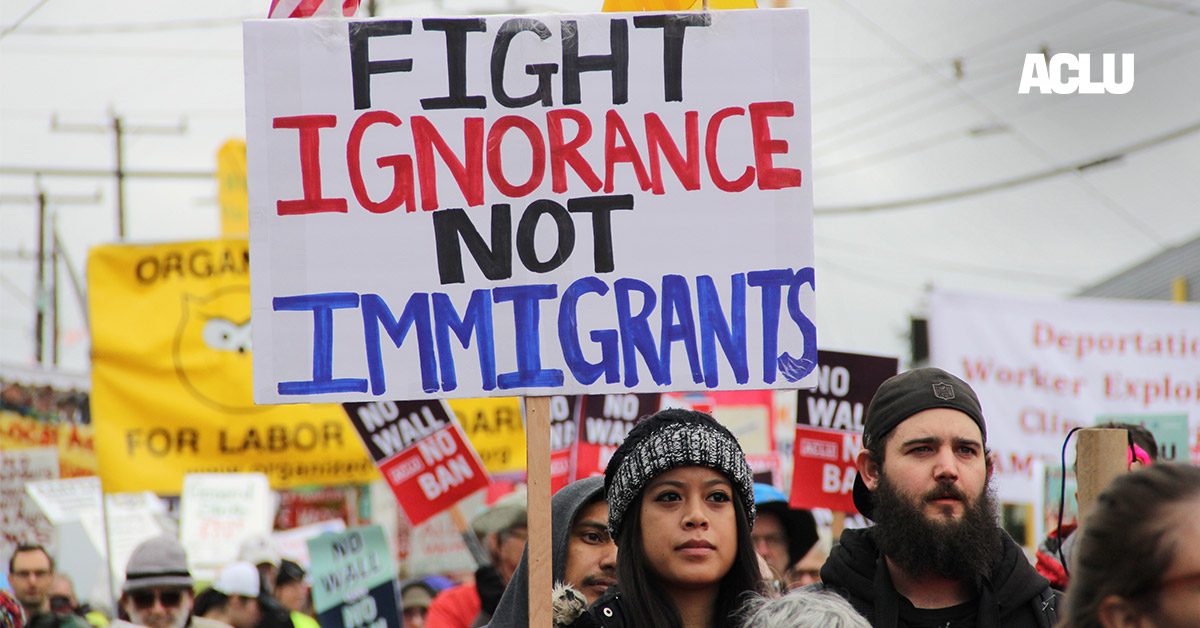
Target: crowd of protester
pixel 676 534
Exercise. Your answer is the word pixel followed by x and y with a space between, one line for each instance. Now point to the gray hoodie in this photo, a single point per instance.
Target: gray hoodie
pixel 513 610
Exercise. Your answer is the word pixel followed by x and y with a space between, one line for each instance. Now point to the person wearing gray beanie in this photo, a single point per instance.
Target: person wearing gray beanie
pixel 680 508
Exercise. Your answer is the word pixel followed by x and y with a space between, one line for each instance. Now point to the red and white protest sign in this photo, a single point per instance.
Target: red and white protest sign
pixel 829 424
pixel 564 429
pixel 823 470
pixel 421 452
pixel 603 425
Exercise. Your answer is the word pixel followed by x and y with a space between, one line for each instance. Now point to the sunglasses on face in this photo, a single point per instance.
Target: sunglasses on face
pixel 145 599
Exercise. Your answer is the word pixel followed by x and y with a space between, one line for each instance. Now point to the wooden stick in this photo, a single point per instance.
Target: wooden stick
pixel 1100 456
pixel 539 547
pixel 468 536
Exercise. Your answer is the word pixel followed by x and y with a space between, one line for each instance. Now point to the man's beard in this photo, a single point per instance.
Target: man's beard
pixel 175 618
pixel 963 549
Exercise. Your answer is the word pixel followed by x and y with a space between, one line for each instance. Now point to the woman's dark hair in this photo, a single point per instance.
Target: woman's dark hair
pixel 1126 543
pixel 649 606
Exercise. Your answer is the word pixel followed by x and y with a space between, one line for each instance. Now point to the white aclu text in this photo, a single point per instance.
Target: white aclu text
pixel 1066 73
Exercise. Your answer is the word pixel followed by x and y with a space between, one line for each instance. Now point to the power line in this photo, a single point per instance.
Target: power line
pixel 955 266
pixel 1073 168
pixel 22 19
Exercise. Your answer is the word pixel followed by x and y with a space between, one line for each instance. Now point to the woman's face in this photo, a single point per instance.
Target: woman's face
pixel 1179 591
pixel 689 527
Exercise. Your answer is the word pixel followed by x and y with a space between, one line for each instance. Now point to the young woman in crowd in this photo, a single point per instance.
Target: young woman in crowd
pixel 680 507
pixel 1137 563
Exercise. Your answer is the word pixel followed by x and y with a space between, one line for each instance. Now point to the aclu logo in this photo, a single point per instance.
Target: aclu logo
pixel 1066 73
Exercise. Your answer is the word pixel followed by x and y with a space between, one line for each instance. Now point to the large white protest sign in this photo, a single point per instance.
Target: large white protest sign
pixel 66 499
pixel 218 511
pixel 1042 367
pixel 500 206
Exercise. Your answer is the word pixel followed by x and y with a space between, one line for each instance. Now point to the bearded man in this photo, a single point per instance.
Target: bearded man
pixel 936 555
pixel 158 587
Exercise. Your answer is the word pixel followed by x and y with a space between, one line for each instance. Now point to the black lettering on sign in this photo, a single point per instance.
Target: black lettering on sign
pixel 616 62
pixel 361 66
pixel 452 228
pixel 456 63
pixel 542 71
pixel 276 438
pixel 674 27
pixel 161 442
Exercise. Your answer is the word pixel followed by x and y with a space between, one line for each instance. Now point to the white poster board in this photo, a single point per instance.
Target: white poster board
pixel 293 544
pixel 21 521
pixel 502 206
pixel 217 511
pixel 66 499
pixel 1041 367
pixel 132 518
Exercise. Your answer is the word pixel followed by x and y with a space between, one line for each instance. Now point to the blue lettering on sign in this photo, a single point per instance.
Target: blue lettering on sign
pixel 322 307
pixel 529 373
pixel 568 332
pixel 713 334
pixel 477 319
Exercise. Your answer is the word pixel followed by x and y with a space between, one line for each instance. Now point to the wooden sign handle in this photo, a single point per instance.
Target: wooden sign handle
pixel 539 547
pixel 1100 456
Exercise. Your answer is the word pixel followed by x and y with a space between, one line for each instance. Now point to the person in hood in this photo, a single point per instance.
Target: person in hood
pixel 584 556
pixel 680 508
pixel 936 555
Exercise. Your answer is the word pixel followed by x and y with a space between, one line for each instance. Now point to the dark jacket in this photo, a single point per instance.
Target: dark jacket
pixel 1013 595
pixel 606 612
pixel 55 620
pixel 513 610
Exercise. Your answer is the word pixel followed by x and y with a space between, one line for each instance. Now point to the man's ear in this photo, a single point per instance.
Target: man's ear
pixel 1116 612
pixel 868 469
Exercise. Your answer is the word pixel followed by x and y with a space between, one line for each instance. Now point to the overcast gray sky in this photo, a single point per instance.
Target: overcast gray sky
pixel 913 101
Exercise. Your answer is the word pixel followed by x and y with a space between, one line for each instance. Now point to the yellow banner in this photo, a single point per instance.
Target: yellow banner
pixel 171 377
pixel 231 188
pixel 495 429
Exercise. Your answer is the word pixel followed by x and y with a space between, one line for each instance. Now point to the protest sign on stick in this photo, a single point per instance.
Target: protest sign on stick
pixel 623 227
pixel 354 582
pixel 829 426
pixel 550 205
pixel 217 511
pixel 424 457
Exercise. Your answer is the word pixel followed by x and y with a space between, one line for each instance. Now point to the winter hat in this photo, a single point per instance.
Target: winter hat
pixel 904 395
pixel 666 440
pixel 157 562
pixel 240 578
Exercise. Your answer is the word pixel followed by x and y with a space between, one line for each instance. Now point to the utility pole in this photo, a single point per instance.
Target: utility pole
pixel 118 129
pixel 43 300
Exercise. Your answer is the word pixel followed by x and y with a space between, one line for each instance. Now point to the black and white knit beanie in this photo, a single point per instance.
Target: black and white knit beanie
pixel 666 440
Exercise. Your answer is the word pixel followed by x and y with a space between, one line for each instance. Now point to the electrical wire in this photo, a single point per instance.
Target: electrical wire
pixel 21 20
pixel 1074 167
